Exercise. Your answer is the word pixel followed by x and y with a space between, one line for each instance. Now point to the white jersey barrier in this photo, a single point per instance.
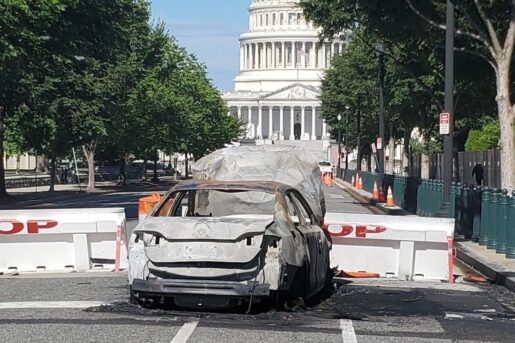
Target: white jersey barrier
pixel 404 247
pixel 62 239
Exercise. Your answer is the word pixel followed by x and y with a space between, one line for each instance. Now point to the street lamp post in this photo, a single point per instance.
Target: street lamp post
pixel 449 103
pixel 346 136
pixel 380 151
pixel 358 138
pixel 339 145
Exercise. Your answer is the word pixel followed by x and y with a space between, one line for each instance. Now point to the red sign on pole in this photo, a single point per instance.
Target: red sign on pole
pixel 444 123
pixel 379 142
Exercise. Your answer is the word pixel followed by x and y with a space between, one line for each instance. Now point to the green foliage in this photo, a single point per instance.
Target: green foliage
pixel 97 75
pixel 433 146
pixel 414 55
pixel 485 138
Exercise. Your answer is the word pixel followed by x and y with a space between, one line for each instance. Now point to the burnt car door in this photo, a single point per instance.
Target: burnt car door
pixel 302 223
pixel 323 242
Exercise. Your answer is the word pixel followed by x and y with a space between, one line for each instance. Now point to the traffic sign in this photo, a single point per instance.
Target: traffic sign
pixel 379 143
pixel 444 123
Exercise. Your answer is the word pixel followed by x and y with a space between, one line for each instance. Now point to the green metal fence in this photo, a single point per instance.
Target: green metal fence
pixel 484 215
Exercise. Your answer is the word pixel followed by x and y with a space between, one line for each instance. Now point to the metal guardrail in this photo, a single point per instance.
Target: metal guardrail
pixel 484 215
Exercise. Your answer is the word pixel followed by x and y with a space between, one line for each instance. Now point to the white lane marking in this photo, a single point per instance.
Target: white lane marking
pixel 184 332
pixel 348 334
pixel 49 304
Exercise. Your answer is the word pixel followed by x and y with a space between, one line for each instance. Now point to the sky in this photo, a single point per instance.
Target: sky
pixel 210 30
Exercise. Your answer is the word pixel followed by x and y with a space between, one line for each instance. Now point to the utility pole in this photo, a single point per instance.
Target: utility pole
pixel 380 150
pixel 449 103
pixel 358 136
pixel 339 145
pixel 346 136
pixel 346 144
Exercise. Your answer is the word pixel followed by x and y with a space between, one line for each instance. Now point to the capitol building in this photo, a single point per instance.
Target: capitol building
pixel 282 63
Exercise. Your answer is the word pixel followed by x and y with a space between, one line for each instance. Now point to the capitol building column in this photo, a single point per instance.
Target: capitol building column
pixel 270 122
pixel 302 122
pixel 259 133
pixel 292 121
pixel 283 53
pixel 281 122
pixel 313 122
pixel 274 51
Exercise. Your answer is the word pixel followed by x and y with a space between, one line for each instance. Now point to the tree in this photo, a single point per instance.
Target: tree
pixel 100 33
pixel 484 138
pixel 348 86
pixel 485 33
pixel 487 30
pixel 25 32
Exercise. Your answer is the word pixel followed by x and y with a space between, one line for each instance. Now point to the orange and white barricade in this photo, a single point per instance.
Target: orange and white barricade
pixel 62 240
pixel 407 248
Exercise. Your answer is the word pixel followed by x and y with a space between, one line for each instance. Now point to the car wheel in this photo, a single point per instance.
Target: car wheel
pixel 296 296
pixel 133 298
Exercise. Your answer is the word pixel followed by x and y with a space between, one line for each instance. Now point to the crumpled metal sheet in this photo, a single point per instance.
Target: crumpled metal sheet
pixel 286 164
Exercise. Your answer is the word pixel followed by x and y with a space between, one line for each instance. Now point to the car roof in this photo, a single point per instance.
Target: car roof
pixel 241 185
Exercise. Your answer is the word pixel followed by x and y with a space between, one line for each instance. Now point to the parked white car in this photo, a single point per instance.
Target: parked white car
pixel 325 167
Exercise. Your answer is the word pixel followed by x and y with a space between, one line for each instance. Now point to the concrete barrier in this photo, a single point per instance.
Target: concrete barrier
pixel 404 247
pixel 62 239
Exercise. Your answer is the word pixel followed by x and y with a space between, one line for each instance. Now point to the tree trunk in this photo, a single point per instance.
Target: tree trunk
pixel 424 163
pixel 121 171
pixel 145 169
pixel 359 159
pixel 89 152
pixel 3 190
pixel 53 174
pixel 391 155
pixel 155 178
pixel 507 124
pixel 405 152
pixel 186 167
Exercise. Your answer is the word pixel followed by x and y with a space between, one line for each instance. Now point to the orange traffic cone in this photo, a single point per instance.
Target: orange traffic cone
pixel 360 185
pixel 353 182
pixel 389 198
pixel 355 185
pixel 329 180
pixel 375 192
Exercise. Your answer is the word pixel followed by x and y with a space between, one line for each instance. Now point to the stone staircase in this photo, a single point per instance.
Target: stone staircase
pixel 316 148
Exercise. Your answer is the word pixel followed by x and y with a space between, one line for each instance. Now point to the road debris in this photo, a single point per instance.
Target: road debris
pixel 474 277
pixel 411 300
pixel 466 316
pixel 357 275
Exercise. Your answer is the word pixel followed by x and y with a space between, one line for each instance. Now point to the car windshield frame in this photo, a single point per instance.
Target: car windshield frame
pixel 176 207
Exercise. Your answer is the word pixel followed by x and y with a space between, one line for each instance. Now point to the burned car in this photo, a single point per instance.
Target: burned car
pixel 220 243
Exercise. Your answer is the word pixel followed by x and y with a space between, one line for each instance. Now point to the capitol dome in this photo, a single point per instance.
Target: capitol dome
pixel 281 66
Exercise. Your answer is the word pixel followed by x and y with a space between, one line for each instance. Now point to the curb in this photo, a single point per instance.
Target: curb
pixel 373 205
pixel 357 196
pixel 488 268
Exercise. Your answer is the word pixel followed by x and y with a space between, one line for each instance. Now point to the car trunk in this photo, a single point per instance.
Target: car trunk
pixel 225 248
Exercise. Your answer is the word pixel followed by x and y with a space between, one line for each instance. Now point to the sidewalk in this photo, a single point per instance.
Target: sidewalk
pixel 30 197
pixel 496 267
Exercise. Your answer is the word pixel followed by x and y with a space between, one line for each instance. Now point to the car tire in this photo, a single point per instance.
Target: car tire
pixel 295 298
pixel 133 299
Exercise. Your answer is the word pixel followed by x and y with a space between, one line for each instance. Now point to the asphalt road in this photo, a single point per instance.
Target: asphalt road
pixel 93 307
pixel 362 311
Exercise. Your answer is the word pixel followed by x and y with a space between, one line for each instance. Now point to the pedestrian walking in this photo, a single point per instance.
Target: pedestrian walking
pixel 478 172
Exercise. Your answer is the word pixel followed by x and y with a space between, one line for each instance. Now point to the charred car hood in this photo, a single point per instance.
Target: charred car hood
pixel 214 240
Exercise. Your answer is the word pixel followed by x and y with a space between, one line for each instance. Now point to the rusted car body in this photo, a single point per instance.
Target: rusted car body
pixel 220 243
